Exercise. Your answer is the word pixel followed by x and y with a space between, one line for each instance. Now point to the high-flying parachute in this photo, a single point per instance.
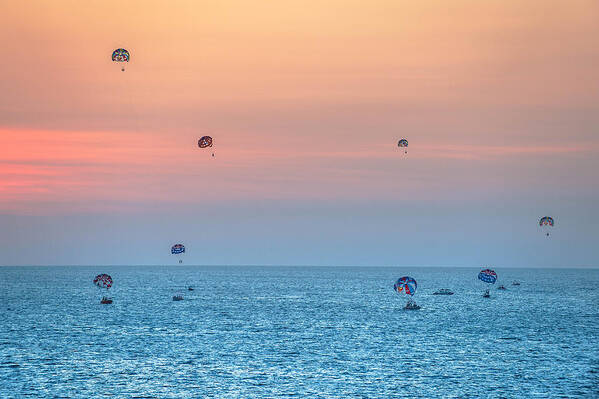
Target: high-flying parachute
pixel 121 55
pixel 103 281
pixel 178 249
pixel 403 143
pixel 205 142
pixel 406 285
pixel 546 222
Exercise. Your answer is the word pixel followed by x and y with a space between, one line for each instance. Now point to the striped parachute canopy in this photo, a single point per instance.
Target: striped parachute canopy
pixel 178 249
pixel 205 142
pixel 120 55
pixel 488 276
pixel 406 285
pixel 546 221
pixel 402 143
pixel 103 281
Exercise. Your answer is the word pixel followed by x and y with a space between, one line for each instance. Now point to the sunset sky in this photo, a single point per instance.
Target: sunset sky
pixel 305 100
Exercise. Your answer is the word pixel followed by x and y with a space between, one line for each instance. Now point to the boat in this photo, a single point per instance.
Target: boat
pixel 515 283
pixel 177 297
pixel 443 291
pixel 486 294
pixel 189 288
pixel 501 287
pixel 106 301
pixel 411 305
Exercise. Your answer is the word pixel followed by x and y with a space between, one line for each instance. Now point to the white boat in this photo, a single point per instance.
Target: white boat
pixel 515 283
pixel 443 291
pixel 177 297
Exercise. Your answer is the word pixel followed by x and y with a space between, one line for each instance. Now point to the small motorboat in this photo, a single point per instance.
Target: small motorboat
pixel 501 287
pixel 486 294
pixel 443 291
pixel 189 288
pixel 106 301
pixel 411 305
pixel 515 283
pixel 177 297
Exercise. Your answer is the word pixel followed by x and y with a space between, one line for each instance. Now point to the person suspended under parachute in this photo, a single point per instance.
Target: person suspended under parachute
pixel 206 142
pixel 403 143
pixel 546 223
pixel 104 282
pixel 121 56
pixel 487 276
pixel 407 285
pixel 178 249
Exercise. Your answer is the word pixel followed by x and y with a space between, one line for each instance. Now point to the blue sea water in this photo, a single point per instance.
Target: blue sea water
pixel 277 332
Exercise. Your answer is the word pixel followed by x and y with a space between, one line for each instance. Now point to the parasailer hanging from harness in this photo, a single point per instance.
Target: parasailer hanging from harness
pixel 546 222
pixel 178 249
pixel 104 282
pixel 487 276
pixel 121 56
pixel 407 285
pixel 403 143
pixel 205 142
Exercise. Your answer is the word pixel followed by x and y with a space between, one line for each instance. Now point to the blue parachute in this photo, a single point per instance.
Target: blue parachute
pixel 178 249
pixel 406 285
pixel 488 276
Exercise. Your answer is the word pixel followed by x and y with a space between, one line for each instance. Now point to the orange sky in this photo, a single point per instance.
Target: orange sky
pixel 305 100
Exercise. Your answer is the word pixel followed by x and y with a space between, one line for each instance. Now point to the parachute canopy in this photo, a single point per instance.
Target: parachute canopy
pixel 405 284
pixel 205 141
pixel 103 281
pixel 546 221
pixel 178 249
pixel 402 143
pixel 488 276
pixel 120 55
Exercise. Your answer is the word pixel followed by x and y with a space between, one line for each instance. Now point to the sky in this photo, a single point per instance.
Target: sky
pixel 306 101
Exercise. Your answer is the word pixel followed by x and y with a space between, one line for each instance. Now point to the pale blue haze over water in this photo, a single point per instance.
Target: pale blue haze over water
pixel 272 332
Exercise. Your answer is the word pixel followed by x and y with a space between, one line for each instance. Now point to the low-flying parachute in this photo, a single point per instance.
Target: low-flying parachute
pixel 408 286
pixel 546 222
pixel 178 249
pixel 104 281
pixel 403 143
pixel 487 276
pixel 205 142
pixel 121 55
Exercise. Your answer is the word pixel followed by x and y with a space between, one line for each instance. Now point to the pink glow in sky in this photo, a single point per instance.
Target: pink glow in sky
pixel 306 100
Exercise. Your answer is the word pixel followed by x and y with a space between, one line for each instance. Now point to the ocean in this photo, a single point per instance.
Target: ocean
pixel 306 332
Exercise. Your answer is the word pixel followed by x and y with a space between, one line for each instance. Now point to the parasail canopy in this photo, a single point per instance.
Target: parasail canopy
pixel 488 276
pixel 205 142
pixel 120 55
pixel 103 281
pixel 546 221
pixel 178 249
pixel 406 285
